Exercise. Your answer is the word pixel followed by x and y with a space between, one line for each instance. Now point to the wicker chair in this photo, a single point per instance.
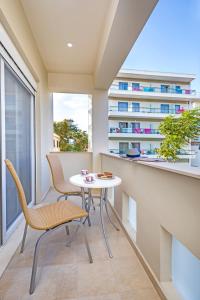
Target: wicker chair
pixel 65 188
pixel 48 218
pixel 60 184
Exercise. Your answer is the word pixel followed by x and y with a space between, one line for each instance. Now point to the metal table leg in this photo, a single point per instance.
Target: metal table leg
pixel 86 205
pixel 102 222
pixel 106 206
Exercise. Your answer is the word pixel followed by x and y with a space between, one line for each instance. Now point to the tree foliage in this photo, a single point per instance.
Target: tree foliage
pixel 178 133
pixel 68 131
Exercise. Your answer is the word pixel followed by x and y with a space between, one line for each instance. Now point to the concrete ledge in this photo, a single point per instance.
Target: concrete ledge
pixel 179 168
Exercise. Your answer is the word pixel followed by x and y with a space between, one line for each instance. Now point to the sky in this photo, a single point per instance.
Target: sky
pixel 71 106
pixel 169 42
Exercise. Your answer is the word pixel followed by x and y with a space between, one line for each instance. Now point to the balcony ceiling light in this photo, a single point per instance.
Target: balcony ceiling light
pixel 69 45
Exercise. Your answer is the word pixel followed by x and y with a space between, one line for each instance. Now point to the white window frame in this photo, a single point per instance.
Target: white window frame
pixel 6 57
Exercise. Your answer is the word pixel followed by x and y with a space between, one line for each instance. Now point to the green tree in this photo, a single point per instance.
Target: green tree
pixel 178 133
pixel 68 131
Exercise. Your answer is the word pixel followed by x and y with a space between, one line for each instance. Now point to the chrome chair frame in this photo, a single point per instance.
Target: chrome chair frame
pixel 37 247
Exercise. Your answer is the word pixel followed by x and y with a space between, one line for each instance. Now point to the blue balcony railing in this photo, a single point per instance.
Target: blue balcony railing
pixel 153 152
pixel 149 110
pixel 152 89
pixel 134 130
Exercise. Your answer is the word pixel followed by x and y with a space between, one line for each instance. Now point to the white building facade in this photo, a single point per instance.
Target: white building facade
pixel 139 101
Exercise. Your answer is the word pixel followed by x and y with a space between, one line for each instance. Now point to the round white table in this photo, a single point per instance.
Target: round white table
pixel 103 185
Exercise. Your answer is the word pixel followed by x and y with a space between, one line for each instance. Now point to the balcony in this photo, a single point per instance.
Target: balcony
pixel 183 154
pixel 155 204
pixel 144 133
pixel 144 112
pixel 150 92
pixel 65 272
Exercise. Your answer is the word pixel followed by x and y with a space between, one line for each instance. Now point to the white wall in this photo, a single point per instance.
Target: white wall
pixel 166 202
pixel 74 162
pixel 14 21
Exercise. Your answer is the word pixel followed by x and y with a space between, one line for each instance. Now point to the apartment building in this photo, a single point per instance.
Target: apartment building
pixel 139 101
pixel 56 142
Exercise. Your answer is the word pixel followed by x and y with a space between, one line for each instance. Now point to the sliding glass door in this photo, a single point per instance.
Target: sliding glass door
pixel 17 144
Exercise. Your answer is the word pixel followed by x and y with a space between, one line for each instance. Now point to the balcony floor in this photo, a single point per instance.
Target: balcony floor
pixel 65 273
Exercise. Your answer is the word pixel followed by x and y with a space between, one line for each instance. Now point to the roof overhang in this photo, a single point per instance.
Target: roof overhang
pixel 153 75
pixel 102 33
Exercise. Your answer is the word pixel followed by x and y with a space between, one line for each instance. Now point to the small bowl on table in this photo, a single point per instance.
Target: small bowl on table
pixel 89 179
pixel 84 172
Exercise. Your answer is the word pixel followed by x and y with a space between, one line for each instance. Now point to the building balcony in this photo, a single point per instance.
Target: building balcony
pixel 152 153
pixel 144 152
pixel 145 133
pixel 155 207
pixel 154 93
pixel 144 112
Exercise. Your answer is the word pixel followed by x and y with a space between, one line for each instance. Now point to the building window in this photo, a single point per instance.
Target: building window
pixel 135 146
pixel 123 147
pixel 164 108
pixel 122 106
pixel 177 108
pixel 178 89
pixel 123 127
pixel 136 127
pixel 164 88
pixel 123 86
pixel 135 107
pixel 135 86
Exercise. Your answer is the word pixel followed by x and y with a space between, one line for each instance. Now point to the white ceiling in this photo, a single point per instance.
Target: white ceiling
pixel 54 23
pixel 102 33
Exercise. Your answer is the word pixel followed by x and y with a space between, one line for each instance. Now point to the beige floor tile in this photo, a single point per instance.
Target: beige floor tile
pixel 121 247
pixel 66 299
pixel 54 281
pixel 140 294
pixel 104 297
pixel 129 274
pixel 25 259
pixel 65 274
pixel 15 284
pixel 59 254
pixel 95 279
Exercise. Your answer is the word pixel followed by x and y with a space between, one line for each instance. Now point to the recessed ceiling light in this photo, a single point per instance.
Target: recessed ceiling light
pixel 69 45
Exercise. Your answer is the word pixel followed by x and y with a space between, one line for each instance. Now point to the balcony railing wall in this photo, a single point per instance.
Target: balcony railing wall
pixel 135 130
pixel 153 89
pixel 162 210
pixel 148 110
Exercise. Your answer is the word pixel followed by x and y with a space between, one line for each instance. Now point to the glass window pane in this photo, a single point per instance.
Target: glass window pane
pixel 135 107
pixel 164 108
pixel 135 86
pixel 122 106
pixel 123 85
pixel 123 148
pixel 18 140
pixel 177 108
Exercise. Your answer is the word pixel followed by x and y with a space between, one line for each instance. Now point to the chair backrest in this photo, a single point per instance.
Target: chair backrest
pixel 20 190
pixel 56 170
